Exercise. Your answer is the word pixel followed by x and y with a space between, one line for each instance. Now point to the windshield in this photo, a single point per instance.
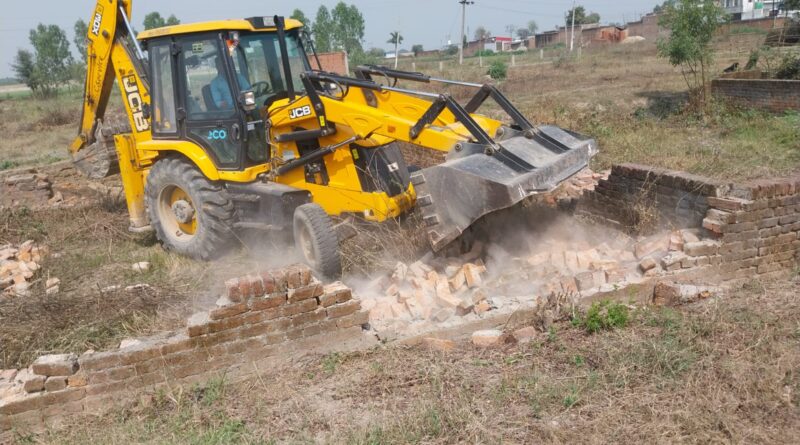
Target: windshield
pixel 259 66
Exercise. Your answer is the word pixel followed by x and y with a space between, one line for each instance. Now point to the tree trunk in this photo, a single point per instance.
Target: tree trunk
pixel 396 56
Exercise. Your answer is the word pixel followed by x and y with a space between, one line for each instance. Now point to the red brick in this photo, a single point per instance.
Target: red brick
pixel 232 290
pixel 267 282
pixel 29 403
pixel 256 285
pixel 268 302
pixel 356 319
pixel 227 311
pixel 343 309
pixel 297 275
pixel 312 290
pixel 298 308
pixel 99 360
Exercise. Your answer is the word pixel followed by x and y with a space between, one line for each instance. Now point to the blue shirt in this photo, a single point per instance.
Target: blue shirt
pixel 221 93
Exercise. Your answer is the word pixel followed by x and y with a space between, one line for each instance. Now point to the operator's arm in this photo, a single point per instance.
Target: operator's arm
pixel 219 93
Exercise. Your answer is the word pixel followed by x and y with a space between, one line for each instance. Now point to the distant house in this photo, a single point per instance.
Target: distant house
pixel 753 9
pixel 400 53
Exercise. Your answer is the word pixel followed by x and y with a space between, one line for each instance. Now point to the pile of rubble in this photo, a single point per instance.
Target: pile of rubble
pixel 439 289
pixel 18 265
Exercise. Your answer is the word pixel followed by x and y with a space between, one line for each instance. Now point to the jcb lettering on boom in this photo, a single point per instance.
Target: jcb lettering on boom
pixel 98 18
pixel 135 103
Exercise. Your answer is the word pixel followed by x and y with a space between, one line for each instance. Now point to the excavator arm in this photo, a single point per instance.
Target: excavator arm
pixel 112 53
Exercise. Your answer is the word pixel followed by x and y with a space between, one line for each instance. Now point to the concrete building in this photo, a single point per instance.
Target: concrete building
pixel 753 9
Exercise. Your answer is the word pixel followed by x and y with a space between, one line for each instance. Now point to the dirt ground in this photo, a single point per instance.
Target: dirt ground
pixel 722 371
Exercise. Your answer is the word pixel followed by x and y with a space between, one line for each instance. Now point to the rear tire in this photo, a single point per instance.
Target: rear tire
pixel 191 215
pixel 316 239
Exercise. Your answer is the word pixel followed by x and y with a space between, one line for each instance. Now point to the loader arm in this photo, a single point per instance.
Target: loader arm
pixel 489 165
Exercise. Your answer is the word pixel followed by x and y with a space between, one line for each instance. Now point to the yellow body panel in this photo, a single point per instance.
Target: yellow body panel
pixel 216 25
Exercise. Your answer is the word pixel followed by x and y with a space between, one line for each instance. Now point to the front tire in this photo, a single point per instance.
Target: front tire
pixel 191 215
pixel 316 239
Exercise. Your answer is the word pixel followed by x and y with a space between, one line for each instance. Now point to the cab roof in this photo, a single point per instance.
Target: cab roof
pixel 250 24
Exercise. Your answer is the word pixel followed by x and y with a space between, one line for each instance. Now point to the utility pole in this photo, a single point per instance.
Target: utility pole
pixel 572 36
pixel 463 4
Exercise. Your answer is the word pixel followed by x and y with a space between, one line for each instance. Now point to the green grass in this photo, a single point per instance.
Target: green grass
pixel 601 316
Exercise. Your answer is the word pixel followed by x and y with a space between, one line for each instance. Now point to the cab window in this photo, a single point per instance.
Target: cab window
pixel 208 93
pixel 164 120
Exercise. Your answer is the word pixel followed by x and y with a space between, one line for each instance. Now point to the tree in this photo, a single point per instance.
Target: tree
pixel 79 39
pixel 24 67
pixel 52 59
pixel 658 9
pixel 348 29
pixel 692 25
pixel 396 39
pixel 416 49
pixel 154 20
pixel 581 18
pixel 528 31
pixel 482 33
pixel 323 30
pixel 790 5
pixel 298 15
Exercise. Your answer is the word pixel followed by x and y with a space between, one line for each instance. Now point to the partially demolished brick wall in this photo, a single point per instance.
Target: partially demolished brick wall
pixel 648 198
pixel 749 230
pixel 261 321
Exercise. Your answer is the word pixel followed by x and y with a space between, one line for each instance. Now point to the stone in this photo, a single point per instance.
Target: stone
pixel 7 375
pixel 55 383
pixel 647 263
pixel 33 383
pixel 584 281
pixel 141 266
pixel 487 338
pixel 129 342
pixel 442 315
pixel 525 335
pixel 439 344
pixel 666 294
pixel 55 365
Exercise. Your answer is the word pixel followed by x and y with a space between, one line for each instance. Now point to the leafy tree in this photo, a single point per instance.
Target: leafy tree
pixel 79 39
pixel 581 17
pixel 790 5
pixel 482 33
pixel 51 60
pixel 323 30
pixel 154 20
pixel 348 29
pixel 692 24
pixel 298 15
pixel 658 9
pixel 416 49
pixel 528 31
pixel 396 39
pixel 24 67
pixel 378 53
pixel 451 50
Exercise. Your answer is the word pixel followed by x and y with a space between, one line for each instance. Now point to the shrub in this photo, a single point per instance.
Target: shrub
pixel 789 68
pixel 484 53
pixel 498 70
pixel 603 315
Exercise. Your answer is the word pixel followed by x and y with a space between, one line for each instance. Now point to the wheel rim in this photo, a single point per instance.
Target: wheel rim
pixel 177 213
pixel 305 245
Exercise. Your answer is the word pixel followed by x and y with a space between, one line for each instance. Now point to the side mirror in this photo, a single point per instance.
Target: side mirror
pixel 247 100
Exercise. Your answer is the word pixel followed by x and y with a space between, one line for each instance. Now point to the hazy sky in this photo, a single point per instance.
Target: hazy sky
pixel 428 22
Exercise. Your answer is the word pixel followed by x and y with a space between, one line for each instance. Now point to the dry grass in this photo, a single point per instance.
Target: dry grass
pixel 725 370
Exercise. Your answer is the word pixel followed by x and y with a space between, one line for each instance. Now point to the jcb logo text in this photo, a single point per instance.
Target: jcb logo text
pixel 296 113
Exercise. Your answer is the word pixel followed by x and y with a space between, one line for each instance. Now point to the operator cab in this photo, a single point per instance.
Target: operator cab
pixel 211 82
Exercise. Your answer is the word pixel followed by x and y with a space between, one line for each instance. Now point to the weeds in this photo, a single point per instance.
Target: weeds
pixel 601 316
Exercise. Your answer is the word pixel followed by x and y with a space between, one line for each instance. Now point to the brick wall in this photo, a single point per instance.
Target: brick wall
pixel 747 231
pixel 649 198
pixel 769 94
pixel 261 321
pixel 335 62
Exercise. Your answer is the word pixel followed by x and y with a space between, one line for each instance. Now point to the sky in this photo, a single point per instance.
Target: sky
pixel 428 22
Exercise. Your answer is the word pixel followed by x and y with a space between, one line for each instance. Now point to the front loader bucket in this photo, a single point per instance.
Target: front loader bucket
pixel 471 183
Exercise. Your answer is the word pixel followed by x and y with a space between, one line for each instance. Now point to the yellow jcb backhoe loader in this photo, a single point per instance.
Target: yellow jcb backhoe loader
pixel 231 128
